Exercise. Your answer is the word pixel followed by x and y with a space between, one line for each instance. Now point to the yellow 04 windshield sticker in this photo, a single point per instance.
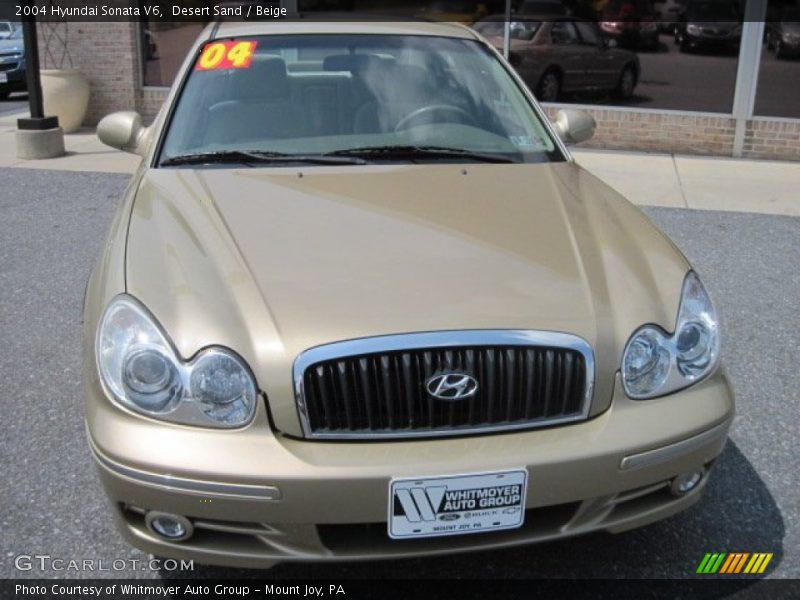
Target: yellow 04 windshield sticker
pixel 232 54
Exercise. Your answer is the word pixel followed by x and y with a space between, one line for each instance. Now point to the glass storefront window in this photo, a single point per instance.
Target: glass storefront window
pixel 677 66
pixel 683 54
pixel 778 91
pixel 164 46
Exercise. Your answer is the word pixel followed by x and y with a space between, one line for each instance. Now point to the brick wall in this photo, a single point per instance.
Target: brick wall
pixel 659 132
pixel 105 52
pixel 777 140
pixel 677 133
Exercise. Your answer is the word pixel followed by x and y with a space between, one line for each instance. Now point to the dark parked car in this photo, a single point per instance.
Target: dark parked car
pixel 12 64
pixel 632 23
pixel 783 37
pixel 709 24
pixel 564 55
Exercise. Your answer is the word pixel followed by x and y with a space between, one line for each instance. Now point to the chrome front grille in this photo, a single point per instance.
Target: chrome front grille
pixel 387 387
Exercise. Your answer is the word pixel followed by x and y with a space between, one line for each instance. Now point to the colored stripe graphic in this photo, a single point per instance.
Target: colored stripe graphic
pixel 731 560
pixel 711 563
pixel 741 562
pixel 734 562
pixel 758 564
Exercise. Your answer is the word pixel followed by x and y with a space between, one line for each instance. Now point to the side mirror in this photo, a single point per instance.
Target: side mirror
pixel 610 43
pixel 574 126
pixel 124 131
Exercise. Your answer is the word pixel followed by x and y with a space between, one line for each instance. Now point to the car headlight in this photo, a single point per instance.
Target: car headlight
pixel 693 29
pixel 656 363
pixel 142 371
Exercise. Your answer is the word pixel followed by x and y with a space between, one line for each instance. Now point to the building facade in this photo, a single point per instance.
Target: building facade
pixel 743 102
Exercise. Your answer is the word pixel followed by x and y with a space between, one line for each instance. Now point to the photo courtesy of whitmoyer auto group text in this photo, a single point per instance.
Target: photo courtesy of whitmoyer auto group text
pixel 400 299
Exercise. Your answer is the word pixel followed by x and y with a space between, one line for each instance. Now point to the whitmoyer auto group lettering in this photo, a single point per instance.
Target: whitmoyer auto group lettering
pixel 507 495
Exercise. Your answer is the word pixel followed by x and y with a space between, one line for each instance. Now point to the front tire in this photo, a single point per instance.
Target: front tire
pixel 549 87
pixel 626 83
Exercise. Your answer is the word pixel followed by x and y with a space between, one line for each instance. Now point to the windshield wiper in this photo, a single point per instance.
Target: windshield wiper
pixel 411 152
pixel 255 156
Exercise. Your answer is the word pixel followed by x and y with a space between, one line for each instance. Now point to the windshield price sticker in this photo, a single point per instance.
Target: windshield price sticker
pixel 226 55
pixel 458 504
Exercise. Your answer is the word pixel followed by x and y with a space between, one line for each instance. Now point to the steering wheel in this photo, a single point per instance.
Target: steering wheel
pixel 462 115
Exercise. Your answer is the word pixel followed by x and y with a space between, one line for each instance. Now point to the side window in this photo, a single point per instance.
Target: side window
pixel 589 33
pixel 564 33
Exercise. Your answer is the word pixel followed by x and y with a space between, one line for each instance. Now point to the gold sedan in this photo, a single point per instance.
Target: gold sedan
pixel 359 301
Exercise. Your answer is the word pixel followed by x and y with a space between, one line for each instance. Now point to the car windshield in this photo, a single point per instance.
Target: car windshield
pixel 314 95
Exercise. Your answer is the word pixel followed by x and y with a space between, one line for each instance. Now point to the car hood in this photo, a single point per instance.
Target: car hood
pixel 273 261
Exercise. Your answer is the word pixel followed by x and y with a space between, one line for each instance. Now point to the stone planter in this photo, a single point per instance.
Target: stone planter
pixel 65 93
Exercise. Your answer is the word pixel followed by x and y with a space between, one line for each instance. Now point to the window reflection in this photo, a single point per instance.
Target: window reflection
pixel 778 92
pixel 640 63
pixel 163 47
pixel 669 54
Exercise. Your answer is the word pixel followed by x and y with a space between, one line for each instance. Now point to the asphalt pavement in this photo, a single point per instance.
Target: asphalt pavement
pixel 16 102
pixel 52 225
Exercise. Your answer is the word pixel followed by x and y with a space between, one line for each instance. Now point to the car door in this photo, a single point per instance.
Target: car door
pixel 601 64
pixel 568 54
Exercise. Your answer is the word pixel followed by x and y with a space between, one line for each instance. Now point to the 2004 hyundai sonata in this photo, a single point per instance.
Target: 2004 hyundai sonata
pixel 359 301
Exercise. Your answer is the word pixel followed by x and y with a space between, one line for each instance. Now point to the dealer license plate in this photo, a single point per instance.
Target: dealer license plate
pixel 3 78
pixel 457 504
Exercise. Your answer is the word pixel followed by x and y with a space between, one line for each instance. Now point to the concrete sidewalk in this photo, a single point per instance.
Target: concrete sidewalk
pixel 707 183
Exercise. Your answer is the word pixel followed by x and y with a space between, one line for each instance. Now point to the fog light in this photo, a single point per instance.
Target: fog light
pixel 686 482
pixel 173 528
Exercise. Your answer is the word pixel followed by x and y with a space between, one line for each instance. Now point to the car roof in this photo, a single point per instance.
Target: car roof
pixel 226 29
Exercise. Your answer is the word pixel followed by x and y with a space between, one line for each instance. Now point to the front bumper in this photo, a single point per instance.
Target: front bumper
pixel 790 46
pixel 14 74
pixel 256 497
